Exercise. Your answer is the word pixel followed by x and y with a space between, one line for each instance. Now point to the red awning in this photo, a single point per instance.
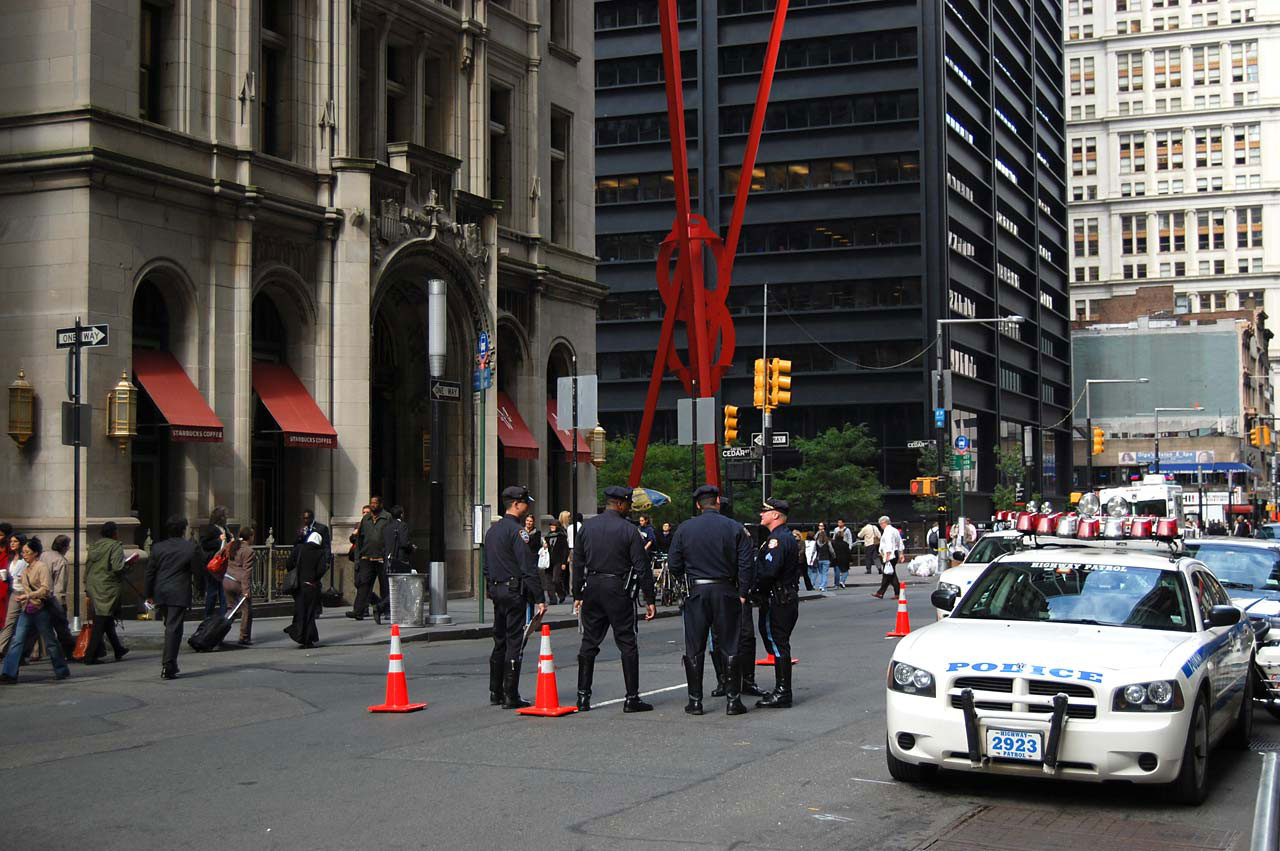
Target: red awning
pixel 292 407
pixel 584 451
pixel 514 434
pixel 183 408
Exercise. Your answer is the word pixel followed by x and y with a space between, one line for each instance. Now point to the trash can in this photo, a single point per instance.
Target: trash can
pixel 409 599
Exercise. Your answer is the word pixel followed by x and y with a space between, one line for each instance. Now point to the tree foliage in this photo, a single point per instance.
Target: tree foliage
pixel 1010 472
pixel 666 469
pixel 837 478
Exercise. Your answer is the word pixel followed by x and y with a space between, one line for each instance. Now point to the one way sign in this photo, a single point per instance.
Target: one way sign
pixel 91 336
pixel 781 439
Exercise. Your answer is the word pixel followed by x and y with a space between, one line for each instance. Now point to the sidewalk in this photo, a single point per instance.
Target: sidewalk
pixel 337 630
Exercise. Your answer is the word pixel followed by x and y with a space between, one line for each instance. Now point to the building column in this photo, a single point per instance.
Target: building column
pixel 1228 158
pixel 1153 244
pixel 1193 245
pixel 1230 237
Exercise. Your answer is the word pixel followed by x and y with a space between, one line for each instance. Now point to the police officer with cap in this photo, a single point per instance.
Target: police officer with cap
pixel 712 552
pixel 511 582
pixel 779 567
pixel 609 566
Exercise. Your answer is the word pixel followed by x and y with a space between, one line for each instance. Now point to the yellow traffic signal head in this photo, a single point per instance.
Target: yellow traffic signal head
pixel 930 485
pixel 730 423
pixel 761 384
pixel 1098 441
pixel 779 381
pixel 1255 436
pixel 917 487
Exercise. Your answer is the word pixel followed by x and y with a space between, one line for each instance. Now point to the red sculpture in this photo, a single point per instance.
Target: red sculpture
pixel 708 326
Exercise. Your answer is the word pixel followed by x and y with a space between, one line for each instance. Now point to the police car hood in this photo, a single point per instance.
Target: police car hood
pixel 961 643
pixel 1256 604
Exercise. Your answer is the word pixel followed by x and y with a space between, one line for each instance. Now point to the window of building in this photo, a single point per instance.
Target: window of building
pixel 1172 232
pixel 826 173
pixel 1168 150
pixel 1250 299
pixel 822 52
pixel 1082 78
pixel 558 12
pixel 839 111
pixel 275 82
pixel 1209 184
pixel 1167 70
pixel 1129 71
pixel 1211 229
pixel 1131 26
pixel 1128 5
pixel 1133 234
pixel 1248 227
pixel 1084 155
pixel 1208 146
pixel 1244 61
pixel 400 82
pixel 152 23
pixel 367 79
pixel 501 132
pixel 1130 271
pixel 561 140
pixel 628 188
pixel 1247 143
pixel 1133 153
pixel 641 70
pixel 638 13
pixel 638 129
pixel 1181 303
pixel 1085 237
pixel 779 237
pixel 436 112
pixel 1206 65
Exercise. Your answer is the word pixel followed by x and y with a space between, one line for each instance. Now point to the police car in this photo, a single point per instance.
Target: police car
pixel 1082 658
pixel 959 578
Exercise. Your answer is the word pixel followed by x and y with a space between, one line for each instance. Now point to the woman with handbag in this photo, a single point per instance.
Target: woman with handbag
pixel 824 556
pixel 237 581
pixel 12 608
pixel 307 566
pixel 34 588
pixel 104 575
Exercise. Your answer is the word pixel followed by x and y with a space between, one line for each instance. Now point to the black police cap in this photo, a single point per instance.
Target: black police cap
pixel 517 493
pixel 779 505
pixel 706 490
pixel 618 493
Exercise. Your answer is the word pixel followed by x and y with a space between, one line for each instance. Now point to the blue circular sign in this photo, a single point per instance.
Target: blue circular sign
pixel 962 442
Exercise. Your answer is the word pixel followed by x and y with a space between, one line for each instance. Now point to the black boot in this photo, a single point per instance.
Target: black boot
pixel 733 687
pixel 717 662
pixel 586 671
pixel 780 697
pixel 495 682
pixel 693 673
pixel 511 688
pixel 749 686
pixel 631 679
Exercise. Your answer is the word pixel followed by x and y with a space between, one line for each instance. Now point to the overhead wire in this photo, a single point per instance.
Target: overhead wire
pixel 844 359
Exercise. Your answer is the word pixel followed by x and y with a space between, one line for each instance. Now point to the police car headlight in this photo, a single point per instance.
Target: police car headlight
pixel 1155 696
pixel 910 679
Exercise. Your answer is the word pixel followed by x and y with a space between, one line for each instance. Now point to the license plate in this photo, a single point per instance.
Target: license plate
pixel 1014 744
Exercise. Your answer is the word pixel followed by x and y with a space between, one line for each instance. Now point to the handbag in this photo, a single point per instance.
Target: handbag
pixel 544 559
pixel 290 583
pixel 217 565
pixel 82 641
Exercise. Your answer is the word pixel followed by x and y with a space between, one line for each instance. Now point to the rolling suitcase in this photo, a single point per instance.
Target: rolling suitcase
pixel 213 629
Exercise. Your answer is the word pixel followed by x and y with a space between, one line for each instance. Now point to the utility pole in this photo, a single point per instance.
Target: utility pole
pixel 766 422
pixel 437 349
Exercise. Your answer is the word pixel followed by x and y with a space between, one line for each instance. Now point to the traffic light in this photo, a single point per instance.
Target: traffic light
pixel 779 382
pixel 730 423
pixel 1255 436
pixel 1098 442
pixel 761 380
pixel 924 486
pixel 916 487
pixel 1266 435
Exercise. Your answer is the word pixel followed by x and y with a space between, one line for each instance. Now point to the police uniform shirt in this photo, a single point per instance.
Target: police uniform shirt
pixel 712 546
pixel 610 544
pixel 507 556
pixel 779 559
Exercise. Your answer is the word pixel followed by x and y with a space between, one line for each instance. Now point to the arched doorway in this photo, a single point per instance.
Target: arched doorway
pixel 267 469
pixel 150 497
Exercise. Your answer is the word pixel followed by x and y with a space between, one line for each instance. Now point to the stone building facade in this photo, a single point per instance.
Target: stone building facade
pixel 253 194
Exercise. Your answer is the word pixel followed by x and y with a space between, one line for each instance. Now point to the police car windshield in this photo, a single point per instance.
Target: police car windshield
pixel 1236 566
pixel 986 550
pixel 1101 594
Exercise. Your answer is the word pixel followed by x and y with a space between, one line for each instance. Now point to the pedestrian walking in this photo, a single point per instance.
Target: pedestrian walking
pixel 650 538
pixel 890 557
pixel 55 558
pixel 711 550
pixel 34 588
pixel 825 556
pixel 778 570
pixel 6 532
pixel 842 544
pixel 104 575
pixel 174 561
pixel 13 608
pixel 511 582
pixel 371 554
pixel 309 525
pixel 610 568
pixel 310 559
pixel 237 583
pixel 933 537
pixel 869 536
pixel 212 539
pixel 557 544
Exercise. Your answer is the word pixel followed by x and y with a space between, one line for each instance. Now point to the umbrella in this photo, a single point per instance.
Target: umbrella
pixel 647 499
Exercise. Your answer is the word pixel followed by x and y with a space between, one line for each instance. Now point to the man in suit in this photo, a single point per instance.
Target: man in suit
pixel 169 570
pixel 309 525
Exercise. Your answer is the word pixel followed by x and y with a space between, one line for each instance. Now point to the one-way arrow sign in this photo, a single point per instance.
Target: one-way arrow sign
pixel 445 391
pixel 91 336
pixel 781 439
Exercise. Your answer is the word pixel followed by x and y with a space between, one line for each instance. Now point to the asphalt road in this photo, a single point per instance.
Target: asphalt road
pixel 274 748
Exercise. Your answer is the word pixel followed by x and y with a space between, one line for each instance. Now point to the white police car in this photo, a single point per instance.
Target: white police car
pixel 1082 660
pixel 960 578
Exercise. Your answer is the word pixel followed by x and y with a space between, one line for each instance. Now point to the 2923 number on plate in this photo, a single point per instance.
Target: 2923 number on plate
pixel 1014 744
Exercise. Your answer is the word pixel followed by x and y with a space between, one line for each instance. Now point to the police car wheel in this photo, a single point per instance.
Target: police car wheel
pixel 1242 731
pixel 1192 785
pixel 908 772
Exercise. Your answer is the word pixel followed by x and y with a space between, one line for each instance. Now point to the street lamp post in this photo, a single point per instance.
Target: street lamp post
pixel 943 428
pixel 1088 418
pixel 1157 410
pixel 437 349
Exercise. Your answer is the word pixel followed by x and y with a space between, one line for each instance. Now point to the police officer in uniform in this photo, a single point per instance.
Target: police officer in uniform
pixel 746 636
pixel 779 567
pixel 716 557
pixel 609 565
pixel 511 582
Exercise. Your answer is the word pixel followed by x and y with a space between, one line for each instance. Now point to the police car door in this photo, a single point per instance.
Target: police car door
pixel 1220 649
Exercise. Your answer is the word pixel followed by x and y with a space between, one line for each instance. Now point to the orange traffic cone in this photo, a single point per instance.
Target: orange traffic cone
pixel 903 625
pixel 397 688
pixel 770 660
pixel 547 701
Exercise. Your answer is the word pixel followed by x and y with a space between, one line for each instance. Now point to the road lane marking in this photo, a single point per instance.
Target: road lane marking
pixel 865 780
pixel 642 694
